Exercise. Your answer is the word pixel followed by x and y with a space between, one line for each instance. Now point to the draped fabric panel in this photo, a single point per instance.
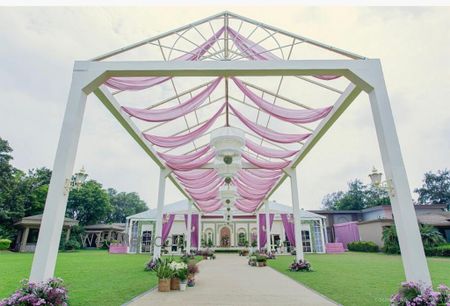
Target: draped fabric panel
pixel 261 173
pixel 265 164
pixel 285 114
pixel 167 225
pixel 176 141
pixel 185 158
pixel 289 228
pixel 194 175
pixel 262 230
pixel 194 229
pixel 268 152
pixel 170 113
pixel 268 133
pixel 139 83
pixel 202 182
pixel 193 164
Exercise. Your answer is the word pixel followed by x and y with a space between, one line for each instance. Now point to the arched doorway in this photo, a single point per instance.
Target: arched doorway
pixel 225 237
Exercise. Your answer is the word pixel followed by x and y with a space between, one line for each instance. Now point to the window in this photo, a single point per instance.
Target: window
pixel 146 241
pixel 306 238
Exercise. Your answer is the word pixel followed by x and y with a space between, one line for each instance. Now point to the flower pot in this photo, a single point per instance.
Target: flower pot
pixel 183 285
pixel 164 285
pixel 261 264
pixel 175 283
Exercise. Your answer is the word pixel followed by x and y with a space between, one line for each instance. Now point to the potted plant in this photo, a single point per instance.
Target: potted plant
pixel 192 270
pixel 176 267
pixel 252 261
pixel 261 260
pixel 301 265
pixel 164 274
pixel 182 275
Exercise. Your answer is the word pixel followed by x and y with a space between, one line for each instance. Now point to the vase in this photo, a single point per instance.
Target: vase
pixel 164 285
pixel 175 283
pixel 183 285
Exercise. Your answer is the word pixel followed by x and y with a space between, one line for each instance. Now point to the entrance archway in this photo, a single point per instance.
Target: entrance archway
pixel 225 237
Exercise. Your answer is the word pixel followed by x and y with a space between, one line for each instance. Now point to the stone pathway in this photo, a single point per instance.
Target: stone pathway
pixel 228 280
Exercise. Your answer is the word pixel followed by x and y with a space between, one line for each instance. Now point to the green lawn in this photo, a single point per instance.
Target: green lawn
pixel 93 277
pixel 358 278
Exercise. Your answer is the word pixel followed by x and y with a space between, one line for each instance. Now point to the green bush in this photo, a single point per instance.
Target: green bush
pixel 363 246
pixel 71 245
pixel 4 244
pixel 440 250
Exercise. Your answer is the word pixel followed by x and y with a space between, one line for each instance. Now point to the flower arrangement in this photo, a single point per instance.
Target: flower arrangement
pixel 252 260
pixel 271 255
pixel 179 273
pixel 301 265
pixel 151 265
pixel 51 292
pixel 192 270
pixel 411 293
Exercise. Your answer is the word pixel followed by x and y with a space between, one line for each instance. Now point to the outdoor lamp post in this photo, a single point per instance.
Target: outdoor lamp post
pixel 376 176
pixel 76 181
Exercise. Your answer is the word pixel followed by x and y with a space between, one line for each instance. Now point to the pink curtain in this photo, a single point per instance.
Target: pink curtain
pixel 263 228
pixel 166 114
pixel 268 133
pixel 268 152
pixel 167 225
pixel 181 166
pixel 194 229
pixel 289 228
pixel 139 83
pixel 207 188
pixel 285 114
pixel 194 175
pixel 265 164
pixel 346 232
pixel 176 141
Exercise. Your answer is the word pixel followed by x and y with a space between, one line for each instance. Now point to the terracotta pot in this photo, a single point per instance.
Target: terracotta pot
pixel 164 285
pixel 175 283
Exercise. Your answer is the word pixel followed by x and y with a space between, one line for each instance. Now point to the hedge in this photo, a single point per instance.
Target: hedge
pixel 363 246
pixel 4 244
pixel 440 250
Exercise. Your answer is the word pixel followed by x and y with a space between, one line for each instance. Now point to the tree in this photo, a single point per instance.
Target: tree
pixel 435 188
pixel 124 204
pixel 330 200
pixel 89 204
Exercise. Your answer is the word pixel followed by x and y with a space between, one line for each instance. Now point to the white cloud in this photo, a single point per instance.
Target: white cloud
pixel 38 46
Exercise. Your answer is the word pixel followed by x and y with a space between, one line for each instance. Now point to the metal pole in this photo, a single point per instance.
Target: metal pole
pixel 297 222
pixel 159 214
pixel 189 228
pixel 268 244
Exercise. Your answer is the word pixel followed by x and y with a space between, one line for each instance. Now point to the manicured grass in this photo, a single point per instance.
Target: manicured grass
pixel 93 277
pixel 358 278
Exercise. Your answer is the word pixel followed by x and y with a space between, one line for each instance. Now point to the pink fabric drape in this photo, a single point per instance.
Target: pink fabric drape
pixel 194 175
pixel 289 229
pixel 201 182
pixel 210 208
pixel 346 232
pixel 194 229
pixel 265 164
pixel 263 228
pixel 167 225
pixel 186 157
pixel 265 173
pixel 268 152
pixel 206 188
pixel 268 133
pixel 193 164
pixel 285 114
pixel 139 83
pixel 170 113
pixel 176 141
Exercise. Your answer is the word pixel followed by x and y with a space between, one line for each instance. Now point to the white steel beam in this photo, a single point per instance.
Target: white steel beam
pixel 158 242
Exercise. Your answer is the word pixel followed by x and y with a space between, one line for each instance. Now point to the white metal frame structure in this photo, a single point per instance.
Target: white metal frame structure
pixel 225 60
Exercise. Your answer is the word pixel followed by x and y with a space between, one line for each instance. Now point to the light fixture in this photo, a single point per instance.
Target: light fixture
pixel 375 177
pixel 76 181
pixel 228 143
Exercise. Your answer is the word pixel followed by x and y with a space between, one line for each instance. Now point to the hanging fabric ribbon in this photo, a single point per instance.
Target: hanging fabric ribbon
pixel 268 133
pixel 184 158
pixel 167 225
pixel 167 114
pixel 194 175
pixel 285 114
pixel 268 152
pixel 288 228
pixel 265 164
pixel 139 83
pixel 180 166
pixel 176 141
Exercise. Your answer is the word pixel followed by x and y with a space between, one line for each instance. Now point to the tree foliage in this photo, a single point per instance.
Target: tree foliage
pixel 124 204
pixel 435 188
pixel 357 197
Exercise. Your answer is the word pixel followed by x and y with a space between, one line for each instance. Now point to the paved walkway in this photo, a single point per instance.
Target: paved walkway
pixel 229 280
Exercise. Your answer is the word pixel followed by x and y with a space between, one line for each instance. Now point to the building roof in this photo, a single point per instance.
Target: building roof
pixel 181 207
pixel 106 227
pixel 37 219
pixel 435 219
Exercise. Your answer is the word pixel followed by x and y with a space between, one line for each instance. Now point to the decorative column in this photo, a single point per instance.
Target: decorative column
pixel 257 232
pixel 413 255
pixel 268 244
pixel 325 231
pixel 159 214
pixel 23 242
pixel 322 234
pixel 296 209
pixel 68 234
pixel 189 228
pixel 47 246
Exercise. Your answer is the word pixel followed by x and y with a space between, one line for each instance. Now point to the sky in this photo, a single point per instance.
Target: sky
pixel 39 45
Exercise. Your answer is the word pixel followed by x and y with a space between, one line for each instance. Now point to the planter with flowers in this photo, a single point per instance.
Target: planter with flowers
pixel 51 292
pixel 300 266
pixel 164 274
pixel 261 260
pixel 411 293
pixel 192 270
pixel 177 269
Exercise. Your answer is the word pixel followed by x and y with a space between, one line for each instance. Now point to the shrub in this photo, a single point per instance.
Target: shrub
pixel 51 292
pixel 71 245
pixel 4 244
pixel 363 246
pixel 440 250
pixel 301 265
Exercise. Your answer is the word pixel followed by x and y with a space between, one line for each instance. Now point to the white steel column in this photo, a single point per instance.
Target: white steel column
pixel 159 214
pixel 322 234
pixel 325 231
pixel 189 228
pixel 257 231
pixel 268 244
pixel 46 252
pixel 200 232
pixel 297 222
pixel 413 255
